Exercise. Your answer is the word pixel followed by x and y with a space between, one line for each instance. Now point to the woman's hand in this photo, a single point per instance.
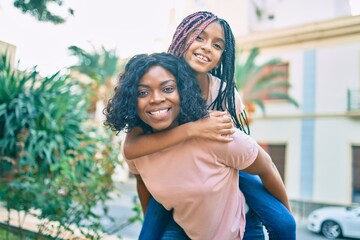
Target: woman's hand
pixel 217 126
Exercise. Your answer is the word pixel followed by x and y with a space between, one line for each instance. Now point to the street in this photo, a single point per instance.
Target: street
pixel 303 234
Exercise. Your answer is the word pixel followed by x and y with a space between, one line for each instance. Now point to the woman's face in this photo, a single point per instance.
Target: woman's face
pixel 204 54
pixel 158 101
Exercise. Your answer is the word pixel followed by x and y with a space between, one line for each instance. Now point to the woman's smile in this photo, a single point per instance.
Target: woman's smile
pixel 160 115
pixel 159 112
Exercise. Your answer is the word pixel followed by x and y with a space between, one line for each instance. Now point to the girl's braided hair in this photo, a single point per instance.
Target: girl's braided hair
pixel 225 71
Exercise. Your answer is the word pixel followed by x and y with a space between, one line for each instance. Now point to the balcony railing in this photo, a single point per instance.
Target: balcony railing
pixel 353 100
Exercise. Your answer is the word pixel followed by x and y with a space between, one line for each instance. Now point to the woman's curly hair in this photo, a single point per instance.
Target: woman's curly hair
pixel 121 111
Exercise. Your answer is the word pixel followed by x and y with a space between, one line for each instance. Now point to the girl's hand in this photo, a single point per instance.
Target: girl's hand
pixel 217 126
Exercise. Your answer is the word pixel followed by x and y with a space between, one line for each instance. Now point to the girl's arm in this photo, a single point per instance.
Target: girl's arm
pixel 218 126
pixel 270 177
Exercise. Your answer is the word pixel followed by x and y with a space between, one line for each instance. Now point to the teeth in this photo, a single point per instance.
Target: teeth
pixel 158 112
pixel 202 57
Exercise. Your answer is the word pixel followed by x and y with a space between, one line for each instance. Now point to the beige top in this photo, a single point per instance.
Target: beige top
pixel 199 178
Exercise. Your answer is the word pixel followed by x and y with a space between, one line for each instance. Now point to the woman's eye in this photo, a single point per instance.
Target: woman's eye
pixel 169 89
pixel 142 93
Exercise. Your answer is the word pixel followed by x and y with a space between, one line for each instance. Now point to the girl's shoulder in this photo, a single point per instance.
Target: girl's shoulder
pixel 214 87
pixel 214 83
pixel 214 79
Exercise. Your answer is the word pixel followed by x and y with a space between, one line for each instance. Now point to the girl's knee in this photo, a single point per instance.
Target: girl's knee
pixel 286 223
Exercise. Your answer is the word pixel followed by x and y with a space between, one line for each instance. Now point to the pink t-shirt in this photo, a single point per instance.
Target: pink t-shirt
pixel 214 86
pixel 198 178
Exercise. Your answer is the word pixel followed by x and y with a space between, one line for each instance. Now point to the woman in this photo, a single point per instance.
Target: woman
pixel 197 178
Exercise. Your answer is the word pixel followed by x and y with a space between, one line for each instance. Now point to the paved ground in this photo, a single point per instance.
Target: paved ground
pixel 121 210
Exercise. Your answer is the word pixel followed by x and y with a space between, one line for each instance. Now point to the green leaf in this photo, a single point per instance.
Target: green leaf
pixel 257 86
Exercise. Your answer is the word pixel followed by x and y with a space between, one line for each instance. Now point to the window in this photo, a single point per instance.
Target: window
pixel 277 153
pixel 277 81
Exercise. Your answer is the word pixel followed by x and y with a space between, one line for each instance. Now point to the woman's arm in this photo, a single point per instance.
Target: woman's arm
pixel 143 193
pixel 270 177
pixel 218 126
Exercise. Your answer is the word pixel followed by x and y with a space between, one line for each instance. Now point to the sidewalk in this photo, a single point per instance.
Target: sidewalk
pixel 121 209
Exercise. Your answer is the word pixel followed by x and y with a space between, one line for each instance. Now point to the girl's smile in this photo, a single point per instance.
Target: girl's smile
pixel 202 57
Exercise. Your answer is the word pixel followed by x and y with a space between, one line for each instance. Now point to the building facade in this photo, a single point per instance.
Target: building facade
pixel 319 142
pixel 9 49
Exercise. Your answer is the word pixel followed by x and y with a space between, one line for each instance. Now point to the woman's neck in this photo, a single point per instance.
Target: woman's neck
pixel 173 125
pixel 203 80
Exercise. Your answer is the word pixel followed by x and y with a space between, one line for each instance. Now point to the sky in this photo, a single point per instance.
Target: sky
pixel 114 24
pixel 130 27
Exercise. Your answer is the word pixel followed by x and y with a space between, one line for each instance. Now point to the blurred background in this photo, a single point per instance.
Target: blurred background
pixel 297 70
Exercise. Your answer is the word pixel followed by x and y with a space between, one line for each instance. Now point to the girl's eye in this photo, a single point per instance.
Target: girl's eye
pixel 218 46
pixel 199 38
pixel 142 93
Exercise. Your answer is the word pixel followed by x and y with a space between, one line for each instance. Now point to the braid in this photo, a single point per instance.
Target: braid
pixel 225 71
pixel 180 43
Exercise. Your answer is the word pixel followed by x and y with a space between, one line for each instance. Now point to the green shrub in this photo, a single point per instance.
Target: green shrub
pixel 52 158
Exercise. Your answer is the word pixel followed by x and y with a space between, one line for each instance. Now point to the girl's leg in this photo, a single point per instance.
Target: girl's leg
pixel 174 232
pixel 272 213
pixel 254 227
pixel 155 221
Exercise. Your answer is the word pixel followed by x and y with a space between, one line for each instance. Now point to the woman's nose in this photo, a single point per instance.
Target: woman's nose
pixel 157 98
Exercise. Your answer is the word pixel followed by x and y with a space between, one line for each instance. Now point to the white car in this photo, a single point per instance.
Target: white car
pixel 334 222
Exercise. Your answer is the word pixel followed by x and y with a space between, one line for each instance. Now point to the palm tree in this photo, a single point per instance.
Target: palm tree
pixel 96 70
pixel 261 82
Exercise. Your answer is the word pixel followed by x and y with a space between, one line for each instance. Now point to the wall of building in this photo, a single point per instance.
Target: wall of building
pixel 9 49
pixel 288 13
pixel 319 134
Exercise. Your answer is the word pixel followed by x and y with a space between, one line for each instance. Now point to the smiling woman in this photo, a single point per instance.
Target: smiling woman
pixel 196 177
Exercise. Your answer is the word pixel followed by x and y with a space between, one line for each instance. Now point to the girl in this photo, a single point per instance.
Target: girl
pixel 196 178
pixel 207 44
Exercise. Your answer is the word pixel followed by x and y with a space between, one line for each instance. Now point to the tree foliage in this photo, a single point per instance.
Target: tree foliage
pixel 100 68
pixel 51 158
pixel 256 87
pixel 40 10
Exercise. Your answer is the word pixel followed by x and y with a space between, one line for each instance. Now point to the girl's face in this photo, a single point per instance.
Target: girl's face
pixel 158 102
pixel 205 52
